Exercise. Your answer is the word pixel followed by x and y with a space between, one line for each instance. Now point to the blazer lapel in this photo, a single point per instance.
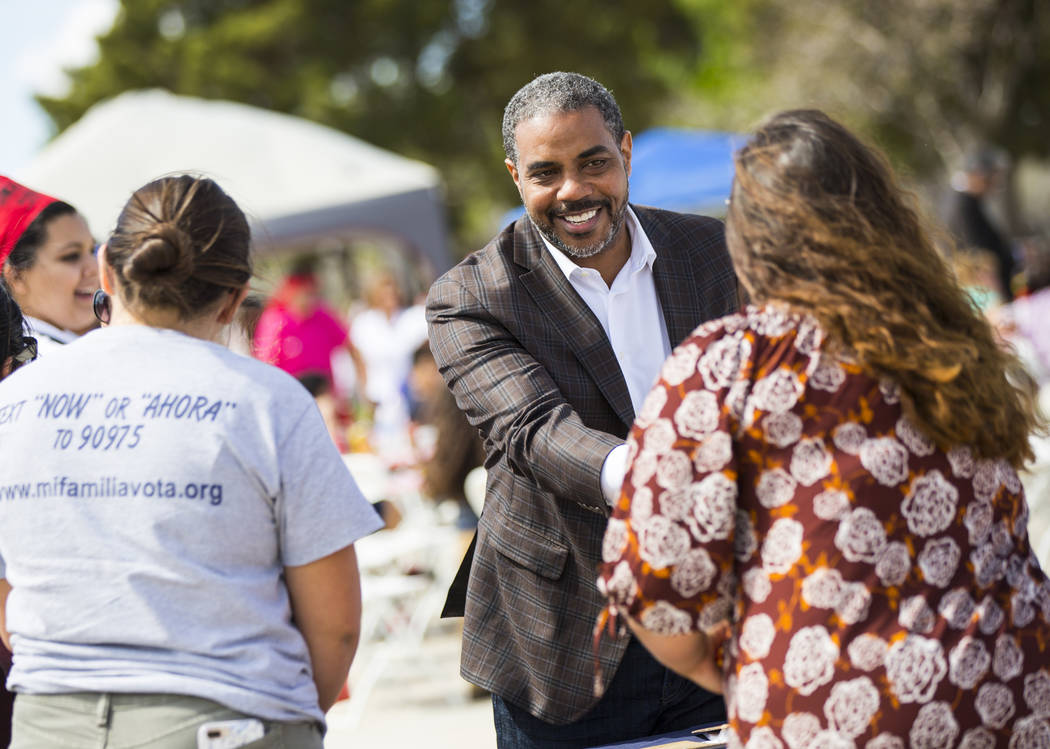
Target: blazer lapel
pixel 555 296
pixel 676 284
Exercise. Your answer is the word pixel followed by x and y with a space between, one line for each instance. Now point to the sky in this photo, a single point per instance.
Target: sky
pixel 41 38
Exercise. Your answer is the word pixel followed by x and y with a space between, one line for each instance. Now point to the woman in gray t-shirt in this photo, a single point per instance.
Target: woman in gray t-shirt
pixel 176 526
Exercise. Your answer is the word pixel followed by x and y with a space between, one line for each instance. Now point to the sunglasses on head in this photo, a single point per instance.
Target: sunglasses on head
pixel 102 306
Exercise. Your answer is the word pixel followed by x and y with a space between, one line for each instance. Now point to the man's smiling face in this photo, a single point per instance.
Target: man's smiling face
pixel 572 177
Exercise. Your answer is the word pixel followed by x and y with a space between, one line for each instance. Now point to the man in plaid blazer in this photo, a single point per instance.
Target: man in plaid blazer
pixel 549 338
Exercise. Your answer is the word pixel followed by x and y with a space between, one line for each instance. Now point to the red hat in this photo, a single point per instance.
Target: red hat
pixel 18 207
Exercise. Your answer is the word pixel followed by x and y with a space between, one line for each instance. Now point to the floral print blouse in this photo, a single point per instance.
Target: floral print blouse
pixel 882 593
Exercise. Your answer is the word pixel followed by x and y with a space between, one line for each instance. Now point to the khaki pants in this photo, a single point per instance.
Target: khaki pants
pixel 135 721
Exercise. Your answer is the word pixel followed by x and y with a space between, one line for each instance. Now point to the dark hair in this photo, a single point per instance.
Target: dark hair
pixel 305 266
pixel 248 314
pixel 12 325
pixel 316 383
pixel 180 242
pixel 23 254
pixel 422 353
pixel 558 92
pixel 817 220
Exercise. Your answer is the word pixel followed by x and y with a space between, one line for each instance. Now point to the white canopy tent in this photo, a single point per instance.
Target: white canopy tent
pixel 296 180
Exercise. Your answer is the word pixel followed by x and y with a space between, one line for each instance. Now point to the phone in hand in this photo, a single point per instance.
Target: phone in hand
pixel 229 734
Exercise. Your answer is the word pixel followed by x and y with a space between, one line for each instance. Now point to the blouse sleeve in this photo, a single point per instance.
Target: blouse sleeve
pixel 668 552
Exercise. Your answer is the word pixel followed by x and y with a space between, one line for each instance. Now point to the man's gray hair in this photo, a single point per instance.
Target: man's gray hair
pixel 558 92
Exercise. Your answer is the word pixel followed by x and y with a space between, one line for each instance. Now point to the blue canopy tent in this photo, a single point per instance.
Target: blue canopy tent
pixel 689 171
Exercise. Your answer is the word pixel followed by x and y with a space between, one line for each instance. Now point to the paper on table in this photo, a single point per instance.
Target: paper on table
pixel 703 743
pixel 712 737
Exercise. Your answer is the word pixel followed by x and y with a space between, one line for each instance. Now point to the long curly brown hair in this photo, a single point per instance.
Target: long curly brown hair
pixel 818 221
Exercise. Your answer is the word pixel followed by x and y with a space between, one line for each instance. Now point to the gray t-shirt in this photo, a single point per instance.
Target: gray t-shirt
pixel 153 486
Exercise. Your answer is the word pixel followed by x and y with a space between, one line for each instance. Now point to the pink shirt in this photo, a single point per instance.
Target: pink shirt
pixel 298 345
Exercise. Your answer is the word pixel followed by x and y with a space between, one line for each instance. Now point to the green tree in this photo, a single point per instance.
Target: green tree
pixel 928 78
pixel 426 78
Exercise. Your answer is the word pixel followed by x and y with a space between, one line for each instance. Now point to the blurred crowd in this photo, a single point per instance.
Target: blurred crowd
pixel 391 402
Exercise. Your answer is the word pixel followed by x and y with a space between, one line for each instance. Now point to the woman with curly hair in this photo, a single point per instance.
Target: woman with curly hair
pixel 827 481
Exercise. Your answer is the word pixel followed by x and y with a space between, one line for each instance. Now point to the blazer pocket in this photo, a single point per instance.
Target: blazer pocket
pixel 531 549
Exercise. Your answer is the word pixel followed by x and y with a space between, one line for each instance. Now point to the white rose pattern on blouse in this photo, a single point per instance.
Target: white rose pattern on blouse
pixel 935 727
pixel 860 535
pixel 800 729
pixel 849 437
pixel 721 361
pixel 752 691
pixel 810 659
pixel 957 608
pixel 651 407
pixel 851 706
pixel 681 364
pixel 968 662
pixel 885 741
pixel 829 375
pixel 713 452
pixel 757 635
pixel 977 738
pixel 915 615
pixel 930 504
pixel 881 591
pixel 886 459
pixel 867 652
pixel 1009 660
pixel 698 414
pixel 775 487
pixel 912 438
pixel 782 429
pixel 831 504
pixel 810 462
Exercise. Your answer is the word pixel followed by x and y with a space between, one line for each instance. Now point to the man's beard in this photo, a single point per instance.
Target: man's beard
pixel 547 229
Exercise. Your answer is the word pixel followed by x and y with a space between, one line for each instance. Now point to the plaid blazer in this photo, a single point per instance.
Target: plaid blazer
pixel 531 367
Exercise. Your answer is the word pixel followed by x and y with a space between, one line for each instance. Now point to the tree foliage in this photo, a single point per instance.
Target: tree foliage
pixel 928 78
pixel 428 79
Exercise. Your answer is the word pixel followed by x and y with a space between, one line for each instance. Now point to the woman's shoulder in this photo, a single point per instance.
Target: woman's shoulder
pixel 762 326
pixel 181 357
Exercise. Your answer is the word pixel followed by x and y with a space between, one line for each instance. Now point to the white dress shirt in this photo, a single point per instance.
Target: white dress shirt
pixel 630 313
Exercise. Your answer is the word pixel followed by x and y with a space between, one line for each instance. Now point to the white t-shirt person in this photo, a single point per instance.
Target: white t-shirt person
pixel 153 487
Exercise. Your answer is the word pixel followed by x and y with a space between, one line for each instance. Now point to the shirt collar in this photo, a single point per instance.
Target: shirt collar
pixel 642 251
pixel 58 335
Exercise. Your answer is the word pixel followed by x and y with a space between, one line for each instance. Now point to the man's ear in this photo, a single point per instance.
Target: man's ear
pixel 229 309
pixel 513 169
pixel 5 368
pixel 625 149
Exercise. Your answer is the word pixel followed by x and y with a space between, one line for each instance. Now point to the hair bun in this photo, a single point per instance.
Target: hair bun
pixel 164 255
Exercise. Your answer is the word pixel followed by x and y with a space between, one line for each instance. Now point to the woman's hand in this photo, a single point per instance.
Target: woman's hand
pixel 695 655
